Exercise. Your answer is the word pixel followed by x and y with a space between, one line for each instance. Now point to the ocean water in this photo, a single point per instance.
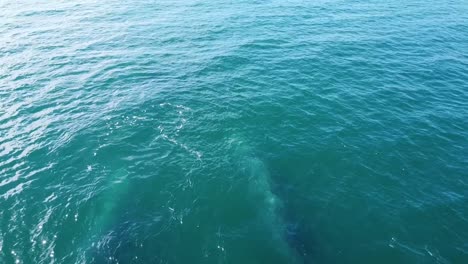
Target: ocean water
pixel 275 131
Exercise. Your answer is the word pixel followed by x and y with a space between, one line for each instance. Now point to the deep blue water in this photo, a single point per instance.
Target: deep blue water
pixel 281 131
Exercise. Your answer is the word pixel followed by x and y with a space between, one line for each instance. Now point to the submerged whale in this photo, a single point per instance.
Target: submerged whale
pixel 286 229
pixel 105 216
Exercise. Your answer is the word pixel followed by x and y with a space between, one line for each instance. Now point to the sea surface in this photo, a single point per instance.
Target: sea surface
pixel 244 132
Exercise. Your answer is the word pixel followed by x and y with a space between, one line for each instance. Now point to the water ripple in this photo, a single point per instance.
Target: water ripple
pixel 267 131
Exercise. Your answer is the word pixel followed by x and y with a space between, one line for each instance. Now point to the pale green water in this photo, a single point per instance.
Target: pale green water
pixel 234 131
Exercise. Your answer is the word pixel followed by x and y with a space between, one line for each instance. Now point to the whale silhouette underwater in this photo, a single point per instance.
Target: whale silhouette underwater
pixel 284 222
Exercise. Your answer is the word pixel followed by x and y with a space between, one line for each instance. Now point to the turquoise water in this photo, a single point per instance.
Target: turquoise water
pixel 281 131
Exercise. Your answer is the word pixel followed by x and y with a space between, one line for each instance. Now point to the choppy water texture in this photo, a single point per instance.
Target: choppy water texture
pixel 281 131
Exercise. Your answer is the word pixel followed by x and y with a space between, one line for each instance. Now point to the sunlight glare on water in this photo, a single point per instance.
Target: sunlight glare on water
pixel 277 131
